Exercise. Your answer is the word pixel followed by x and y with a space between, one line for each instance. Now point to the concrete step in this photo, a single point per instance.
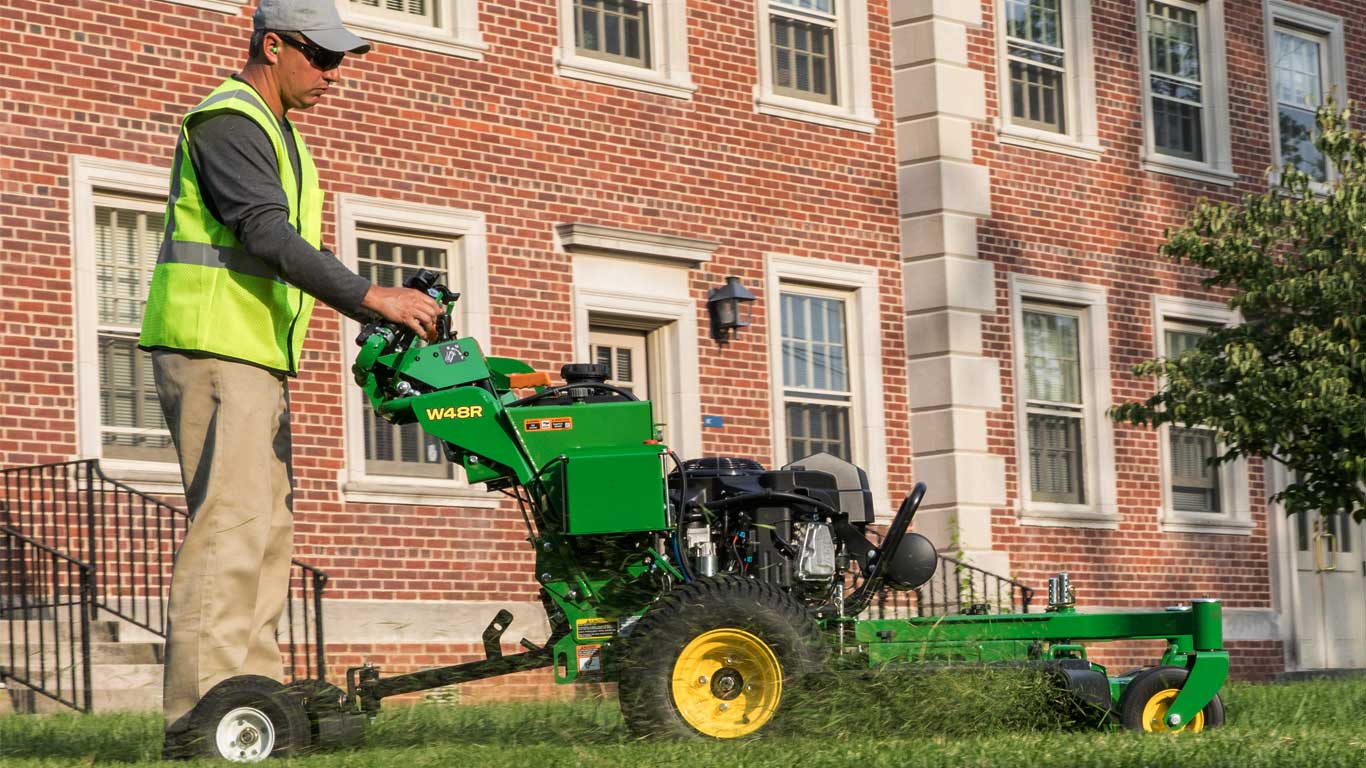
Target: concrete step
pixel 110 677
pixel 17 699
pixel 45 630
pixel 100 653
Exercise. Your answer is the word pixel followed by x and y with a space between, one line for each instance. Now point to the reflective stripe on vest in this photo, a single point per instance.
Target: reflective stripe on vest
pixel 208 294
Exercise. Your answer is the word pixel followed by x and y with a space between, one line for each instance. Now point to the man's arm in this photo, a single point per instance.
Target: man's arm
pixel 237 171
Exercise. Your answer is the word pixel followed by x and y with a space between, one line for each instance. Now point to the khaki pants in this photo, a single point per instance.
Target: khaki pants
pixel 230 424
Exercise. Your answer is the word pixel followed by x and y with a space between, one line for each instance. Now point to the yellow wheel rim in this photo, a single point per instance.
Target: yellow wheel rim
pixel 727 683
pixel 1155 714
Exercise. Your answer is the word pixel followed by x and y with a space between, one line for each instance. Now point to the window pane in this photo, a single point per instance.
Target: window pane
pixel 401 10
pixel 391 449
pixel 815 428
pixel 1179 342
pixel 802 62
pixel 617 30
pixel 1052 357
pixel 1055 459
pixel 1195 484
pixel 814 343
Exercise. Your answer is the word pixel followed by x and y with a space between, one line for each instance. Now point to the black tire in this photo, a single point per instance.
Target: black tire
pixel 742 627
pixel 246 719
pixel 1155 685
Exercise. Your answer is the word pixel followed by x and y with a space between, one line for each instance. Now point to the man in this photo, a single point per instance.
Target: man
pixel 227 312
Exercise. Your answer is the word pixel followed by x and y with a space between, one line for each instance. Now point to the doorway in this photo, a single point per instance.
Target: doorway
pixel 1330 592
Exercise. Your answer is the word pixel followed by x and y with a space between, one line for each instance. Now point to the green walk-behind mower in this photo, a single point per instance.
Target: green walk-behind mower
pixel 708 588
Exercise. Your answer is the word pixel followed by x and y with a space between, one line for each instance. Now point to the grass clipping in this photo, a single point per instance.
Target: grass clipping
pixel 929 701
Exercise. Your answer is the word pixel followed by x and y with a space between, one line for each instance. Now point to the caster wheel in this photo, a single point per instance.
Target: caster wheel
pixel 247 719
pixel 1144 705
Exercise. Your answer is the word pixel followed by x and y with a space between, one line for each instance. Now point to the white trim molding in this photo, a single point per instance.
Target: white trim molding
pixel 853 107
pixel 1080 137
pixel 1216 137
pixel 667 74
pixel 230 7
pixel 687 251
pixel 1100 508
pixel 455 31
pixel 92 177
pixel 1235 515
pixel 868 426
pixel 465 229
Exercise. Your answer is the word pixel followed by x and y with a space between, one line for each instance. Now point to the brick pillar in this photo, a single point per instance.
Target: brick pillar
pixel 947 288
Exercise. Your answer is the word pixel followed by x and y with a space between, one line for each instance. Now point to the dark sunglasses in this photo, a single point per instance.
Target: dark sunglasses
pixel 321 58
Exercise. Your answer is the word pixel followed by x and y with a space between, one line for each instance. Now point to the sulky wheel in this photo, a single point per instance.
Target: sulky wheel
pixel 714 658
pixel 1144 705
pixel 246 719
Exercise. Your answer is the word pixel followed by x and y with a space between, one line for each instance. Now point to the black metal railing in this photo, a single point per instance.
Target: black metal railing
pixel 956 588
pixel 128 539
pixel 45 623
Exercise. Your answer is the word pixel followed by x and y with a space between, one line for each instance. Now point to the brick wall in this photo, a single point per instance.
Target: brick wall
pixel 504 136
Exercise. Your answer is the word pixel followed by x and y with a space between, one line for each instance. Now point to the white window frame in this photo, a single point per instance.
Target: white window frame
pixel 1235 515
pixel 1101 509
pixel 1081 138
pixel 93 179
pixel 1217 167
pixel 858 286
pixel 456 34
pixel 1312 22
pixel 668 75
pixel 467 233
pixel 853 109
pixel 230 7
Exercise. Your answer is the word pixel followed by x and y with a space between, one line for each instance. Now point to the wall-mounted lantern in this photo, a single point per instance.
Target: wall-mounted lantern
pixel 729 308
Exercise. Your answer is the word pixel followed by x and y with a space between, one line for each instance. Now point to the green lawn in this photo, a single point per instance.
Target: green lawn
pixel 976 723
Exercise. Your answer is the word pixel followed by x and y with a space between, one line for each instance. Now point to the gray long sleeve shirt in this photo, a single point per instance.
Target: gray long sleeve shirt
pixel 240 181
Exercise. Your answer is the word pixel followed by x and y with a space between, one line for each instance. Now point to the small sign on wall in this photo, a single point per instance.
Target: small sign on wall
pixel 714 422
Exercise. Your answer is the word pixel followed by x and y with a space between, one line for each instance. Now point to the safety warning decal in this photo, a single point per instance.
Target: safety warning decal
pixel 548 424
pixel 590 660
pixel 595 629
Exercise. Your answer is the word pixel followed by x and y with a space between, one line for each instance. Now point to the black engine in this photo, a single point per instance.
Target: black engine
pixel 801 527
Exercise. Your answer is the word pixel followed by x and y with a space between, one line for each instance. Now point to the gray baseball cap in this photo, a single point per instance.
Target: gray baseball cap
pixel 316 19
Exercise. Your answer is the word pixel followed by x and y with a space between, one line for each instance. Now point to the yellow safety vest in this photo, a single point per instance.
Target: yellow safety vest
pixel 208 294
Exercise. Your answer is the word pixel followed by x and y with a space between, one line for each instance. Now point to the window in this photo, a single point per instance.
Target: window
pixel 128 234
pixel 825 368
pixel 1196 497
pixel 1194 483
pixel 118 219
pixel 803 34
pixel 616 30
pixel 1185 102
pixel 813 62
pixel 623 352
pixel 817 392
pixel 442 26
pixel 1038 63
pixel 1306 64
pixel 387 259
pixel 1048 92
pixel 1065 444
pixel 386 240
pixel 1053 402
pixel 638 44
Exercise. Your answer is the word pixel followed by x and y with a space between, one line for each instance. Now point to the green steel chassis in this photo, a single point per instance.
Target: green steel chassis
pixel 595 584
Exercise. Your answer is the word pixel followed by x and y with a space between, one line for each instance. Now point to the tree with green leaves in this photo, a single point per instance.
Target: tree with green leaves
pixel 1288 381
